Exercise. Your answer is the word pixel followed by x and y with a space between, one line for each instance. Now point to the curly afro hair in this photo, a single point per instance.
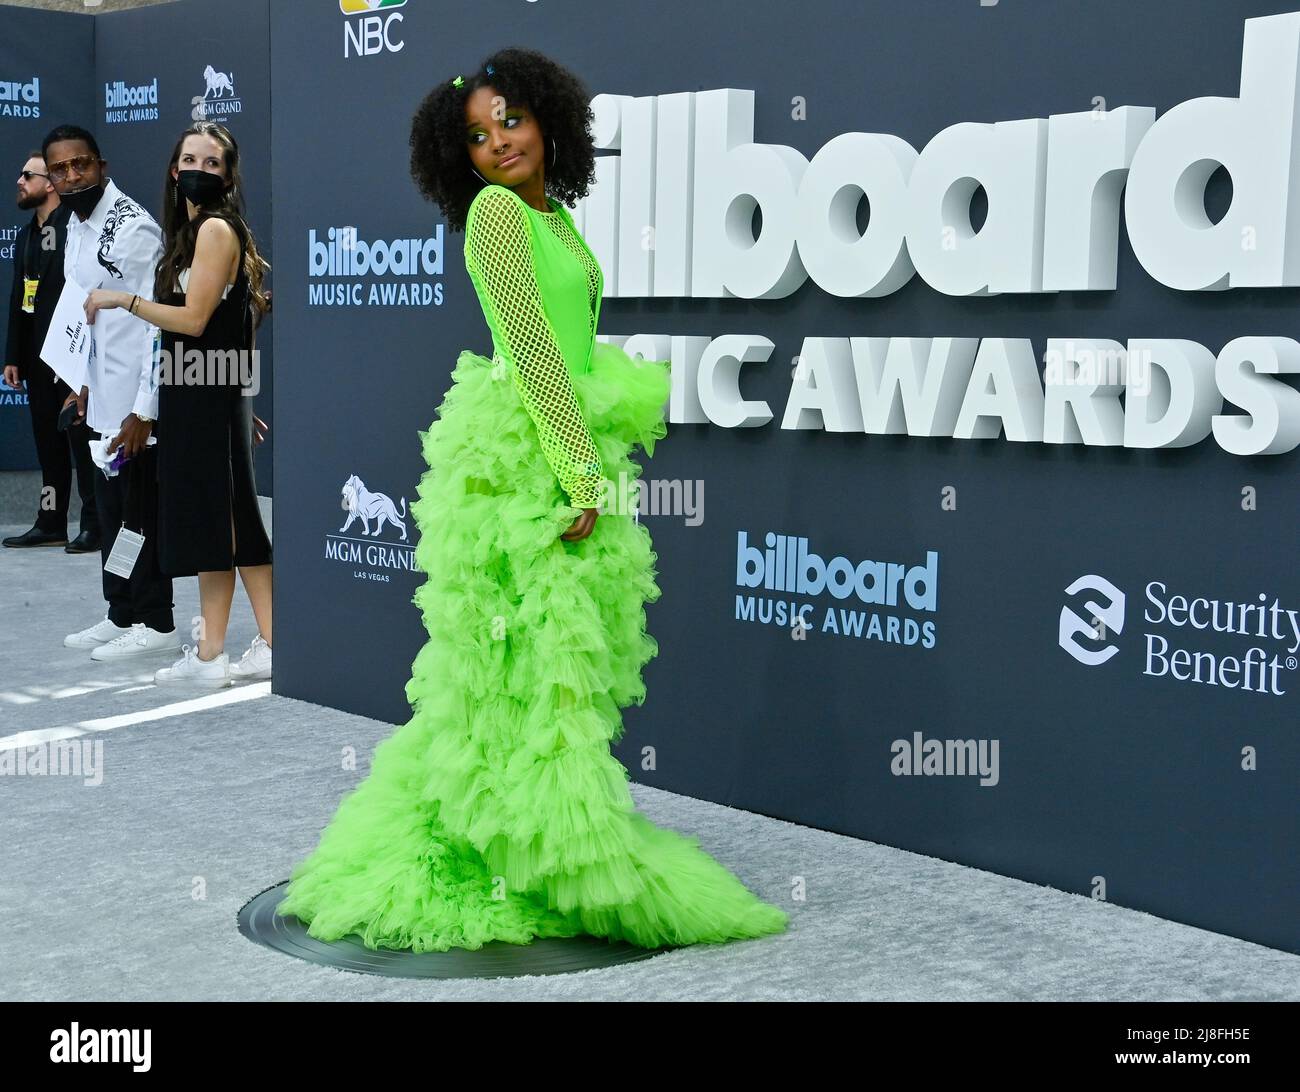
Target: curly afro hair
pixel 440 162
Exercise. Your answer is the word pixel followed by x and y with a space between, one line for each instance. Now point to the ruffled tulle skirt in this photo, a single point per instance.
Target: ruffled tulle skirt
pixel 498 812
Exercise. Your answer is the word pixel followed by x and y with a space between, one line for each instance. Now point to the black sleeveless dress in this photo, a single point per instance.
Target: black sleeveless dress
pixel 205 446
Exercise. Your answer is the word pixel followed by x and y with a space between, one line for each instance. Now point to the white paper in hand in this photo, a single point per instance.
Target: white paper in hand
pixel 67 344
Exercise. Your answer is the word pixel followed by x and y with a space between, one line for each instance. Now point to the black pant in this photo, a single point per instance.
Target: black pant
pixel 147 596
pixel 58 452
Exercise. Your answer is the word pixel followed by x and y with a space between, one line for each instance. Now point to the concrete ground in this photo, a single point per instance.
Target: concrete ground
pixel 127 887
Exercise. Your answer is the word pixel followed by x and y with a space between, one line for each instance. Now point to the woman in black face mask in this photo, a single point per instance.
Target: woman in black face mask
pixel 208 301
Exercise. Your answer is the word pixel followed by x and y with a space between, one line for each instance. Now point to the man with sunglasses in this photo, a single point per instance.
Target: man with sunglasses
pixel 37 282
pixel 114 243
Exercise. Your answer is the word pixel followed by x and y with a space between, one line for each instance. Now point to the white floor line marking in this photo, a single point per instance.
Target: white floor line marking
pixel 246 692
pixel 36 693
pixel 37 736
pixel 180 708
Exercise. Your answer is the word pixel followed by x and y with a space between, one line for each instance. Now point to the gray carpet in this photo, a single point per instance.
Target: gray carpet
pixel 128 890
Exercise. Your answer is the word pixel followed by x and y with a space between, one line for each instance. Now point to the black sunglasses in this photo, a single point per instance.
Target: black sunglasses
pixel 29 175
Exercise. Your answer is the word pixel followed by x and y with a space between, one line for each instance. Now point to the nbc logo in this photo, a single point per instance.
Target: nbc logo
pixel 376 31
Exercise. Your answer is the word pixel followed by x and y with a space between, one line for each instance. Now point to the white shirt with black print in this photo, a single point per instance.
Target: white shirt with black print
pixel 118 247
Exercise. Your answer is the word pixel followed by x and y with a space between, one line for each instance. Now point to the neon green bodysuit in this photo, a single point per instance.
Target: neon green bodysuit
pixel 540 289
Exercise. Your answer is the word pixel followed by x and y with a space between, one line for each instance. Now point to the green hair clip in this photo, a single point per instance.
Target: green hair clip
pixel 458 81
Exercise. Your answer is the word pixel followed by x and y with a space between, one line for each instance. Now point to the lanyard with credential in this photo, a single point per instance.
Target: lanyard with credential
pixel 30 283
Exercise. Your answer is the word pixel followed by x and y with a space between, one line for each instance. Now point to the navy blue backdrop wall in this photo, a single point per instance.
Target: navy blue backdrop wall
pixel 199 60
pixel 154 71
pixel 1107 776
pixel 1115 781
pixel 39 84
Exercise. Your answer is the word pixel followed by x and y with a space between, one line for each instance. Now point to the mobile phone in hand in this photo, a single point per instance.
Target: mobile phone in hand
pixel 67 416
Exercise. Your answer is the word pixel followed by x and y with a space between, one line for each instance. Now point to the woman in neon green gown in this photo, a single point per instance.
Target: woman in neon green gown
pixel 498 811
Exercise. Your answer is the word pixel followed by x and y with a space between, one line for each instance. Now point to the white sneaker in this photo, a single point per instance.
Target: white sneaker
pixel 98 634
pixel 255 663
pixel 139 640
pixel 190 669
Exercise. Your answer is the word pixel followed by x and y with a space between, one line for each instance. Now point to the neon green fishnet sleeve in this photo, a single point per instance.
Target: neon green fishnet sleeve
pixel 497 242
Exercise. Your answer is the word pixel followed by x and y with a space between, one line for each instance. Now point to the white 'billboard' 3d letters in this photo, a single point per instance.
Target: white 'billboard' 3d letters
pixel 678 221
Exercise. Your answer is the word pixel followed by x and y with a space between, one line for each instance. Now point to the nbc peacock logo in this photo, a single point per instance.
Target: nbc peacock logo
pixel 372 27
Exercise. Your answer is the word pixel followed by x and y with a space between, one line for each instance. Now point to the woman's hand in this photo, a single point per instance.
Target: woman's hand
pixel 104 299
pixel 582 526
pixel 259 430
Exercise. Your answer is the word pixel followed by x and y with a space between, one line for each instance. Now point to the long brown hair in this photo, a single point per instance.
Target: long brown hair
pixel 179 231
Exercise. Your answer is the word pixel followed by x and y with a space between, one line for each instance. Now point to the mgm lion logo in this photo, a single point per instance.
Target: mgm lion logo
pixel 361 504
pixel 218 83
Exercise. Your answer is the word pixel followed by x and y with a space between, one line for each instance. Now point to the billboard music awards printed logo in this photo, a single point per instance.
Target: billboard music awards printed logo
pixel 346 270
pixel 378 30
pixel 1268 635
pixel 20 100
pixel 8 241
pixel 371 516
pixel 218 101
pixel 130 102
pixel 789 567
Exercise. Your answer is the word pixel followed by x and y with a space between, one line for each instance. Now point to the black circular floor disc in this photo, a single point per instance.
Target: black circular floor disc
pixel 544 955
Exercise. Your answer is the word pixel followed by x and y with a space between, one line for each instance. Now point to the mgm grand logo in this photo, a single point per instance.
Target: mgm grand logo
pixel 373 539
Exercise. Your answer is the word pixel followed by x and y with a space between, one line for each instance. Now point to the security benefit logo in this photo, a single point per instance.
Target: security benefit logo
pixel 1239 645
pixel 127 102
pixel 373 27
pixel 218 101
pixel 19 99
pixel 883 600
pixel 373 540
pixel 346 270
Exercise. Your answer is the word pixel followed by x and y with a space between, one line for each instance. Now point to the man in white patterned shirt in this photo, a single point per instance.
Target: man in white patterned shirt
pixel 113 242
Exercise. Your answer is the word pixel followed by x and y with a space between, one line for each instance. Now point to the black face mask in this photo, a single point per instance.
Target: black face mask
pixel 201 187
pixel 83 202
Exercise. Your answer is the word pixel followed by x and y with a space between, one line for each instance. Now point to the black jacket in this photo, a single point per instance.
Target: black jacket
pixel 47 292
